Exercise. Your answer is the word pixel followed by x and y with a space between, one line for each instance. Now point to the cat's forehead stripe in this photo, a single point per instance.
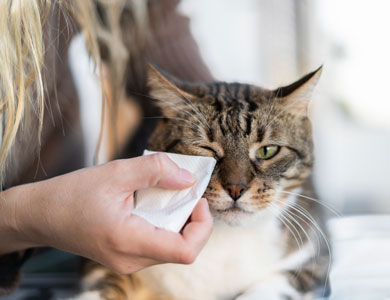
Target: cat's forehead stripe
pixel 248 128
pixel 232 94
pixel 218 105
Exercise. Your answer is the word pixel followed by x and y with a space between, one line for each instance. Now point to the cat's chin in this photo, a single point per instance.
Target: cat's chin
pixel 235 216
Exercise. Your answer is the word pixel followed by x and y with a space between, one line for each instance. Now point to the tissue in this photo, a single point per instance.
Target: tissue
pixel 170 209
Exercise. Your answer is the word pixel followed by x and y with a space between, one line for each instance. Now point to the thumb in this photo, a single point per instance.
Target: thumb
pixel 158 170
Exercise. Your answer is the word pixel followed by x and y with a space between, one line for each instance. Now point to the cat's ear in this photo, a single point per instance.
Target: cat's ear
pixel 169 97
pixel 297 95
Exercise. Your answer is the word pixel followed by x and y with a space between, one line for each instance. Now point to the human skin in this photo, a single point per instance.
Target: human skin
pixel 88 213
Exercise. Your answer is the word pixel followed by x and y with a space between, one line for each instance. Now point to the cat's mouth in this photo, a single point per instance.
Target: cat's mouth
pixel 233 214
pixel 234 208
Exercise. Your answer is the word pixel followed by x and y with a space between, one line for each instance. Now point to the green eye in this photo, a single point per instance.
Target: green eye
pixel 267 152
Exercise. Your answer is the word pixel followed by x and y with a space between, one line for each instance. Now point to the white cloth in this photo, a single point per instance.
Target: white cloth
pixel 361 263
pixel 170 209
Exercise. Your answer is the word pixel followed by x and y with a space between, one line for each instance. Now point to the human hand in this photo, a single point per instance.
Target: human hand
pixel 88 212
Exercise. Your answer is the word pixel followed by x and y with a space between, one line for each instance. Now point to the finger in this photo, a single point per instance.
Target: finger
pixel 184 248
pixel 157 170
pixel 167 246
pixel 197 232
pixel 156 243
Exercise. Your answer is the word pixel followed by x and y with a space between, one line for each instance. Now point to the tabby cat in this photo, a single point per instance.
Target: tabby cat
pixel 267 242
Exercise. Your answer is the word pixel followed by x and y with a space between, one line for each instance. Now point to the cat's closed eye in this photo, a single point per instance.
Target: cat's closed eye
pixel 214 152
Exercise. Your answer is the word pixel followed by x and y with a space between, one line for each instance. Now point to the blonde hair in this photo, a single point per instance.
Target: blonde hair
pixel 22 51
pixel 21 59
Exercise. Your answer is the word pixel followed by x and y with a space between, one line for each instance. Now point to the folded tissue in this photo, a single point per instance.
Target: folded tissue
pixel 170 209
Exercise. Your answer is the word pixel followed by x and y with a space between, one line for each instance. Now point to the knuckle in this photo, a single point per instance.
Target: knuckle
pixel 187 256
pixel 160 162
pixel 115 165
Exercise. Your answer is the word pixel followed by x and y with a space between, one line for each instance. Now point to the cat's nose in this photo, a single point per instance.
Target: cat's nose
pixel 236 190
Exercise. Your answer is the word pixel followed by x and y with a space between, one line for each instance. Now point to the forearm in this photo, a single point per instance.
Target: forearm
pixel 18 207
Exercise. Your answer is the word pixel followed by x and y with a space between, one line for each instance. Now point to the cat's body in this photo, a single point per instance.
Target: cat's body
pixel 243 260
pixel 265 244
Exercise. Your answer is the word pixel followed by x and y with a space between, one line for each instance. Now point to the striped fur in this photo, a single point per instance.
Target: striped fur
pixel 268 243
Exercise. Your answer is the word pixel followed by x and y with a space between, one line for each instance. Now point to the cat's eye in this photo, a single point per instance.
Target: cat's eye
pixel 267 152
pixel 211 150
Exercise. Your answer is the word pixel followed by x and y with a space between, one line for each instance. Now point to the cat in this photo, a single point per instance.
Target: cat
pixel 267 241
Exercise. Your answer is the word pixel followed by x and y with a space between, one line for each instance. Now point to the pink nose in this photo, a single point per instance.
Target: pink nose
pixel 236 190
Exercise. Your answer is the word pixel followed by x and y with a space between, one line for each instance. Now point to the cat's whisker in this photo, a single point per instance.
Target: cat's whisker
pixel 174 107
pixel 293 216
pixel 273 120
pixel 296 207
pixel 289 215
pixel 304 221
pixel 195 126
pixel 282 218
pixel 304 211
pixel 193 141
pixel 332 209
pixel 186 126
pixel 192 106
pixel 327 243
pixel 277 215
pixel 266 118
pixel 277 115
pixel 197 111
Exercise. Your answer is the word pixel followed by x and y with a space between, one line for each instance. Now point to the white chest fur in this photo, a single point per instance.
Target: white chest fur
pixel 233 259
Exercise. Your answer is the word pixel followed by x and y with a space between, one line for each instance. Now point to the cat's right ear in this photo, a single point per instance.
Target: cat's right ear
pixel 169 97
pixel 296 96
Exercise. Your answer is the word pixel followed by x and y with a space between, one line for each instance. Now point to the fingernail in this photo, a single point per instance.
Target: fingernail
pixel 186 176
pixel 205 202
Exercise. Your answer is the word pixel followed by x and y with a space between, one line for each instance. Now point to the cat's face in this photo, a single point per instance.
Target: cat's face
pixel 261 139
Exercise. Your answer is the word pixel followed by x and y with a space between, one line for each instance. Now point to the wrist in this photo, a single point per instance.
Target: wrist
pixel 18 219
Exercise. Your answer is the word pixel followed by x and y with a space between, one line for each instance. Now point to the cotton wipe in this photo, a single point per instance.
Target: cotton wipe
pixel 170 209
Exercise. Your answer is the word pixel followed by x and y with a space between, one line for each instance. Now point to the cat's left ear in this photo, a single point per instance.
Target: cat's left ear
pixel 169 97
pixel 297 95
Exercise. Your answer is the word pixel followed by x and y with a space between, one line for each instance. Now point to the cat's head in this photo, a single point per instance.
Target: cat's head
pixel 261 139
